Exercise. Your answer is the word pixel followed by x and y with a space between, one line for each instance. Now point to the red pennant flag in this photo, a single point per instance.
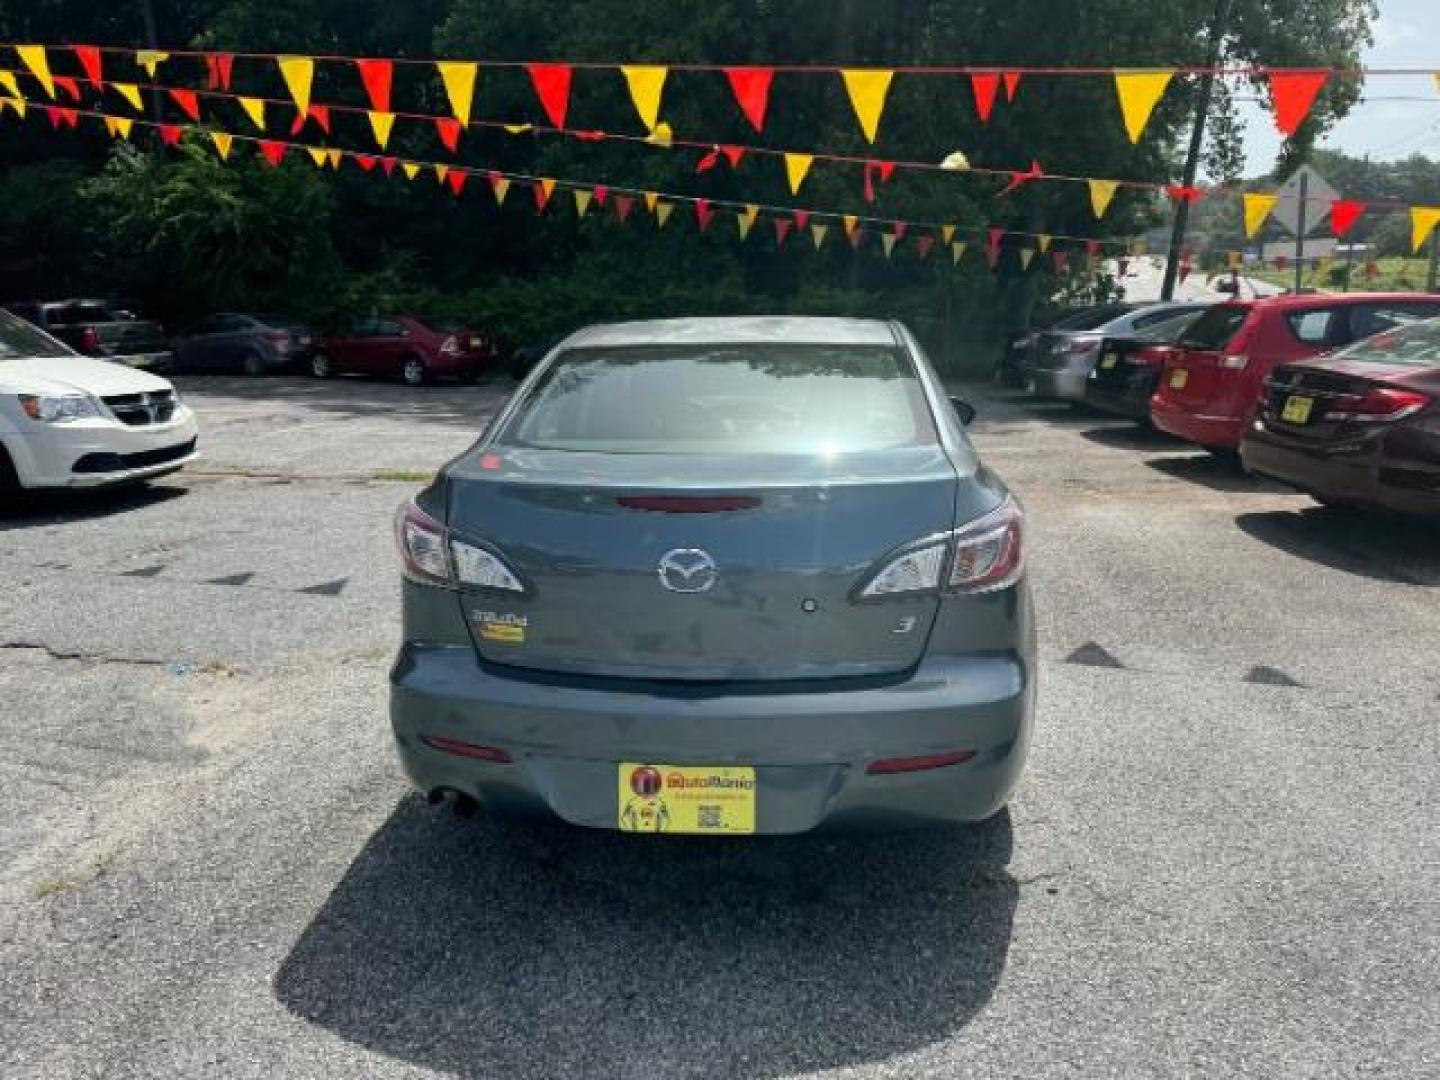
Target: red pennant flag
pixel 733 154
pixel 857 237
pixel 541 191
pixel 319 113
pixel 1181 193
pixel 53 112
pixel 900 229
pixel 992 247
pixel 623 205
pixel 274 152
pixel 218 69
pixel 367 162
pixel 782 230
pixel 388 165
pixel 602 195
pixel 751 87
pixel 1059 260
pixel 71 118
pixel 802 220
pixel 883 169
pixel 923 244
pixel 377 76
pixel 69 85
pixel 1012 84
pixel 188 101
pixel 1343 215
pixel 984 84
pixel 456 179
pixel 1092 248
pixel 1293 94
pixel 449 129
pixel 89 57
pixel 1017 179
pixel 170 134
pixel 703 213
pixel 552 87
pixel 708 162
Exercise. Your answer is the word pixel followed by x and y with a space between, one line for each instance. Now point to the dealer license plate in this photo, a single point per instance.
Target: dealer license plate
pixel 686 799
pixel 1297 409
pixel 1178 378
pixel 1109 360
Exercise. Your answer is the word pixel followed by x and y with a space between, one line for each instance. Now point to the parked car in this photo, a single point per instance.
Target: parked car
pixel 1361 427
pixel 254 344
pixel 719 576
pixel 1012 369
pixel 1062 358
pixel 1128 368
pixel 73 421
pixel 96 328
pixel 1211 385
pixel 415 350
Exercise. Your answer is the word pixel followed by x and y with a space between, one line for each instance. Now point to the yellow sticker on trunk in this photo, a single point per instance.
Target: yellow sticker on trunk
pixel 1297 410
pixel 686 799
pixel 1178 378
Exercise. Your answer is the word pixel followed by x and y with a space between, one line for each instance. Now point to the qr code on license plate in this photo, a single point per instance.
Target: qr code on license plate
pixel 710 817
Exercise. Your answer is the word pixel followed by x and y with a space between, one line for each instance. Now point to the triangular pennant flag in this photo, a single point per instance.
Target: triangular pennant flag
pixel 1181 193
pixel 1012 85
pixel 647 84
pixel 222 142
pixel 69 85
pixel 1423 220
pixel 34 58
pixel 1140 92
pixel 1026 255
pixel 90 61
pixel 888 241
pixel 663 210
pixel 456 180
pixel 947 234
pixel 851 224
pixel 10 84
pixel 1018 179
pixel 583 198
pixel 992 246
pixel 254 109
pixel 170 134
pixel 797 166
pixel 957 251
pixel 817 235
pixel 18 104
pixel 1257 208
pixel 500 185
pixel 663 135
pixel 703 213
pixel 119 126
pixel 381 124
pixel 150 59
pixel 543 189
pixel 1293 95
pixel 802 220
pixel 459 79
pixel 1043 242
pixel 410 169
pixel 602 195
pixel 299 74
pixel 867 89
pixel 751 87
pixel 623 205
pixel 188 101
pixel 442 173
pixel 219 68
pixel 1059 260
pixel 274 152
pixel 745 220
pixel 367 162
pixel 782 230
pixel 130 92
pixel 984 84
pixel 651 201
pixel 51 111
pixel 552 87
pixel 1343 215
pixel 449 131
pixel 334 156
pixel 923 244
pixel 317 155
pixel 377 76
pixel 709 161
pixel 387 165
pixel 321 115
pixel 1101 192
pixel 857 238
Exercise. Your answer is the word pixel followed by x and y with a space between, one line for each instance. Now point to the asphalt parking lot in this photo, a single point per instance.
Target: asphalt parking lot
pixel 1224 858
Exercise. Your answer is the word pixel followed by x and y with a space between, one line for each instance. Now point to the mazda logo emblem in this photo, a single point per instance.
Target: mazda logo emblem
pixel 688 570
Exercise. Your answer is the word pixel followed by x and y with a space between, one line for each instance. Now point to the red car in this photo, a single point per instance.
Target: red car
pixel 415 350
pixel 1212 383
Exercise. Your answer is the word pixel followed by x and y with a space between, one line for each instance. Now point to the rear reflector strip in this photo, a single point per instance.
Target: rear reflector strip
pixel 466 750
pixel 687 504
pixel 889 766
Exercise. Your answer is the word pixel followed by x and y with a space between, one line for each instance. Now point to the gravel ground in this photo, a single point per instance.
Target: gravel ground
pixel 1222 860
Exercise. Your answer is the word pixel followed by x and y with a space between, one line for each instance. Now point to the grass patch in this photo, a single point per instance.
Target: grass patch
pixel 405 476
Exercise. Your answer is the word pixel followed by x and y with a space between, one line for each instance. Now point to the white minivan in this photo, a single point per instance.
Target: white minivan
pixel 70 421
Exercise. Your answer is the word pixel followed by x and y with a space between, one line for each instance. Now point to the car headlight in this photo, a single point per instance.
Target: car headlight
pixel 59 408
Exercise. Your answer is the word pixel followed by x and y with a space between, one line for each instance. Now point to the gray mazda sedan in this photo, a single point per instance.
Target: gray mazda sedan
pixel 719 576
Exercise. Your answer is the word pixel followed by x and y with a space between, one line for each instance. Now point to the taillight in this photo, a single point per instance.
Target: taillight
pixel 1234 361
pixel 451 347
pixel 431 557
pixel 986 555
pixel 90 340
pixel 1379 406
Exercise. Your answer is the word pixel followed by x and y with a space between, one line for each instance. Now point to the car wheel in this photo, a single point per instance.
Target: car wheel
pixel 254 364
pixel 320 366
pixel 412 370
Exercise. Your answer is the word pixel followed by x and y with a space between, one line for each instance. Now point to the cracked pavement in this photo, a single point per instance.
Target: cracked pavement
pixel 1222 860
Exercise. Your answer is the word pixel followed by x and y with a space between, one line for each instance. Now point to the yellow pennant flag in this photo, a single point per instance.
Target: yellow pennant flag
pixel 1044 242
pixel 501 186
pixel 1257 209
pixel 851 224
pixel 255 110
pixel 150 59
pixel 817 233
pixel 663 210
pixel 410 169
pixel 119 126
pixel 1026 255
pixel 459 79
pixel 318 155
pixel 1140 92
pixel 222 142
pixel 547 185
pixel 34 58
pixel 947 234
pixel 651 201
pixel 441 172
pixel 745 220
pixel 1423 220
pixel 868 90
pixel 18 104
pixel 887 241
pixel 381 123
pixel 583 196
pixel 646 84
pixel 661 135
pixel 299 73
pixel 10 84
pixel 957 252
pixel 796 167
pixel 1101 192
pixel 334 156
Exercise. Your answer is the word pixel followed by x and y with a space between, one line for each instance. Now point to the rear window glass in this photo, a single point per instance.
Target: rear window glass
pixel 1417 345
pixel 1170 329
pixel 1089 320
pixel 1215 328
pixel 726 399
pixel 1318 326
pixel 19 339
pixel 75 314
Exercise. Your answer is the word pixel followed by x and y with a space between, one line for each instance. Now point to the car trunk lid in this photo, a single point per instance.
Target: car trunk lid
pixel 1319 402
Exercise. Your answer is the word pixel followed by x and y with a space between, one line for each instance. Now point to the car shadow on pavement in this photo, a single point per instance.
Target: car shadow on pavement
pixel 1370 544
pixel 482 949
pixel 1219 472
pixel 1132 437
pixel 27 509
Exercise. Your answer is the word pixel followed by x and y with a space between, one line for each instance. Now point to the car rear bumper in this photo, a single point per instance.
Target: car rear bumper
pixel 809 748
pixel 1358 472
pixel 1063 384
pixel 1134 404
pixel 1216 432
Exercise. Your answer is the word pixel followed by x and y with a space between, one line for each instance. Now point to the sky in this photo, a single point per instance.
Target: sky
pixel 1407 34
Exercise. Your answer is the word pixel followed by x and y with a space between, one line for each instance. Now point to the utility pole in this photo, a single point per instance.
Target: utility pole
pixel 1197 141
pixel 152 41
pixel 1431 277
pixel 1300 232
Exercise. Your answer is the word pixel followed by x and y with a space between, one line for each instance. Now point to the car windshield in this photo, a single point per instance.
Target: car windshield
pixel 726 399
pixel 1416 345
pixel 1215 328
pixel 19 340
pixel 1169 330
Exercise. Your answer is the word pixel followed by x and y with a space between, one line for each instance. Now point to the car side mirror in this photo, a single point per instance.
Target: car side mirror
pixel 964 410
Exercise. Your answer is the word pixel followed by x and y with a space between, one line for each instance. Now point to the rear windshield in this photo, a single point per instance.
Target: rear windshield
pixel 19 339
pixel 725 399
pixel 75 314
pixel 1215 328
pixel 1095 317
pixel 1168 330
pixel 1417 345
